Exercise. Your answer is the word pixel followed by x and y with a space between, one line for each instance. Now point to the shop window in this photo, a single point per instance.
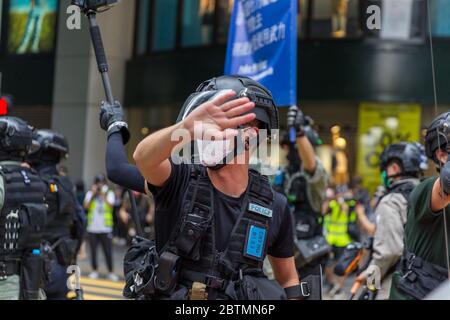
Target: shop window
pixel 198 22
pixel 334 18
pixel 440 13
pixel 142 27
pixel 165 24
pixel 224 9
pixel 401 20
pixel 31 26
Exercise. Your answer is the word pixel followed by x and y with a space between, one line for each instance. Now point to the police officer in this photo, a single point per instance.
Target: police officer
pixel 424 264
pixel 401 166
pixel 65 220
pixel 216 222
pixel 22 216
pixel 305 184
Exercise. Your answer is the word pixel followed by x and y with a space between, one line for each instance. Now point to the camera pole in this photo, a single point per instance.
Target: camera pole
pixel 103 68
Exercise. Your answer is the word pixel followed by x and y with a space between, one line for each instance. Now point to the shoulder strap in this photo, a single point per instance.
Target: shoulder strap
pixel 196 216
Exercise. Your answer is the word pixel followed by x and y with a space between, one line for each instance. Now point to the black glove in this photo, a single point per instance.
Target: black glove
pixel 445 177
pixel 296 120
pixel 112 120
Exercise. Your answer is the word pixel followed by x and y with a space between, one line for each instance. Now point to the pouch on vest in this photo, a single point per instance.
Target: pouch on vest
pixel 139 269
pixel 308 250
pixel 167 272
pixel 189 240
pixel 420 277
pixel 32 223
pixel 306 226
pixel 257 288
pixel 31 276
pixel 65 251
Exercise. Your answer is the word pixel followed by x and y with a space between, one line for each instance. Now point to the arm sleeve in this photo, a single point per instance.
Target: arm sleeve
pixel 283 246
pixel 317 185
pixel 421 202
pixel 119 170
pixel 388 241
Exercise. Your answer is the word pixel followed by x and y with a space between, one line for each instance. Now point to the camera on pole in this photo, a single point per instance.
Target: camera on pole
pixel 94 5
pixel 90 8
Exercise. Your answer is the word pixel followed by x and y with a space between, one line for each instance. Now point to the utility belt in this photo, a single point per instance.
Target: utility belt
pixel 419 276
pixel 149 276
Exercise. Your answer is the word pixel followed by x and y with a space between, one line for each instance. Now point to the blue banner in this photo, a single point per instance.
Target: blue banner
pixel 262 45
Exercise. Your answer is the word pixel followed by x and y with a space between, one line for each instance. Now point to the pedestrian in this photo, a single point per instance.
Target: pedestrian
pixel 424 264
pixel 145 211
pixel 99 202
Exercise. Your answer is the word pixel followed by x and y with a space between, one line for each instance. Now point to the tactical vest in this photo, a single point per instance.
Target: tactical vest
pixel 193 239
pixel 307 221
pixel 61 207
pixel 23 216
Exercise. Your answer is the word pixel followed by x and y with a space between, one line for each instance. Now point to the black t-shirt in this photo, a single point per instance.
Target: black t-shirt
pixel 168 200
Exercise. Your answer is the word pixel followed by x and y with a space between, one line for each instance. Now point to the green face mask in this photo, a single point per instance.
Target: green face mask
pixel 385 179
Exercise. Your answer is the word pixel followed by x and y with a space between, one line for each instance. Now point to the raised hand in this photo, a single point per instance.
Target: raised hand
pixel 220 117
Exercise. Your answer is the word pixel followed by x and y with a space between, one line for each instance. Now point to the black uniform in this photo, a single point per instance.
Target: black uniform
pixel 22 217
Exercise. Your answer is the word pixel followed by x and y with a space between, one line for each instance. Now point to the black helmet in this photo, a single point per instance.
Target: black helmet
pixel 410 155
pixel 48 146
pixel 438 136
pixel 265 110
pixel 15 138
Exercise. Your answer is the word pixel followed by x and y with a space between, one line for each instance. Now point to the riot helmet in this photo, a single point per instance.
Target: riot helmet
pixel 438 136
pixel 409 155
pixel 48 147
pixel 265 108
pixel 15 138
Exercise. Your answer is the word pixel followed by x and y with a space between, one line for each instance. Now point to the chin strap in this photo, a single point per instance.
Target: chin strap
pixel 444 214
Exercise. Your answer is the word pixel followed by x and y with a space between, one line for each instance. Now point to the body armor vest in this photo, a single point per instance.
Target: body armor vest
pixel 61 208
pixel 23 216
pixel 307 222
pixel 193 239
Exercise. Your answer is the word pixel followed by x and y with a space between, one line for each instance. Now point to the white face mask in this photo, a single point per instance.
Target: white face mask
pixel 212 153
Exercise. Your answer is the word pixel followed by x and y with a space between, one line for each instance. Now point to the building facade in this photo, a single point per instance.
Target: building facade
pixel 160 50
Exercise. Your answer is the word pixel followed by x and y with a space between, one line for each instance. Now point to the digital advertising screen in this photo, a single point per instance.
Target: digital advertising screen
pixel 32 25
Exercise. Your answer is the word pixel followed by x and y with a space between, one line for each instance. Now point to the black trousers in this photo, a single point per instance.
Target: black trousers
pixel 105 240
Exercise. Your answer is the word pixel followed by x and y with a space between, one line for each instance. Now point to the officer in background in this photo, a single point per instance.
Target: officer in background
pixel 22 216
pixel 424 264
pixel 65 219
pixel 305 183
pixel 216 222
pixel 401 166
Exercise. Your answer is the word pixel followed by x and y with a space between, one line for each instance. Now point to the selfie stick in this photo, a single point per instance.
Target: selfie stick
pixel 103 68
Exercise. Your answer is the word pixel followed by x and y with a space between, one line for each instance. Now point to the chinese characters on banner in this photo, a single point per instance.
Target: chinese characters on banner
pixel 262 45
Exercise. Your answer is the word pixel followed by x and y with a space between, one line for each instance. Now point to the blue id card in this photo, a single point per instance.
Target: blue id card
pixel 255 242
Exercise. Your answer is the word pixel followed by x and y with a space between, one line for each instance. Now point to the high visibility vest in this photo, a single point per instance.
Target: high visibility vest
pixel 107 213
pixel 336 225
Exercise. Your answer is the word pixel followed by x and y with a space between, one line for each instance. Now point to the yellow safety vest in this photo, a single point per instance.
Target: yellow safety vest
pixel 107 213
pixel 336 225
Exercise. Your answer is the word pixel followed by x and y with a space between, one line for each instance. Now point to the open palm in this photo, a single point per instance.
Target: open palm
pixel 219 118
